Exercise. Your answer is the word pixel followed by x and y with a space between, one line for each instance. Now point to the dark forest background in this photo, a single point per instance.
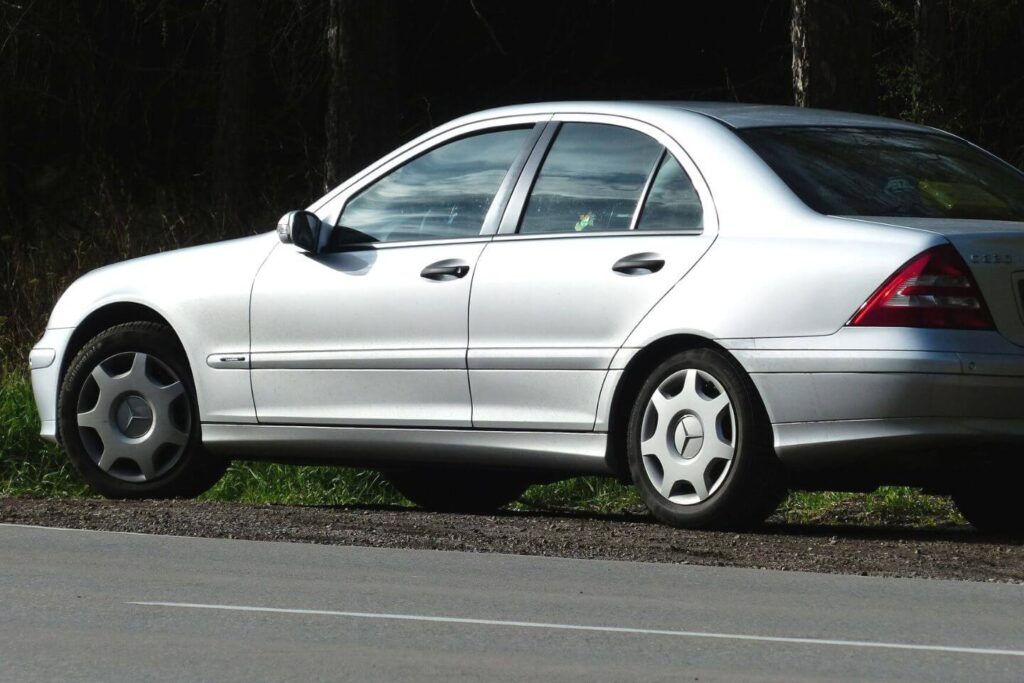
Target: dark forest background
pixel 131 126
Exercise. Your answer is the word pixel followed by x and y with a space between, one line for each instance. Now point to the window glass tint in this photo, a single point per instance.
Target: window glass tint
pixel 444 193
pixel 672 203
pixel 591 180
pixel 874 172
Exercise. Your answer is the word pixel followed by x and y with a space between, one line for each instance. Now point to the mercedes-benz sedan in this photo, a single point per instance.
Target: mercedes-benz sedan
pixel 715 301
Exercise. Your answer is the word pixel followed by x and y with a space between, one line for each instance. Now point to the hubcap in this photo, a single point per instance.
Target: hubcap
pixel 134 417
pixel 687 439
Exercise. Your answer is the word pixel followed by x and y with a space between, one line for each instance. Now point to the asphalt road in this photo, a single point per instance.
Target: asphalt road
pixel 891 550
pixel 90 606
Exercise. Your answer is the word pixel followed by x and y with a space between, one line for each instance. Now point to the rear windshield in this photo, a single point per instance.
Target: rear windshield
pixel 876 172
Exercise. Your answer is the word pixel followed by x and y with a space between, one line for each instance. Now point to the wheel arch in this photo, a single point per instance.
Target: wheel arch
pixel 633 377
pixel 105 317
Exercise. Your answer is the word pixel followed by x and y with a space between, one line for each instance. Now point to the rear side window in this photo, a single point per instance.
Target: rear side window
pixel 444 193
pixel 672 202
pixel 591 180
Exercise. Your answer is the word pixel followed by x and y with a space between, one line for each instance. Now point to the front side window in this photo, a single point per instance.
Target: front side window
pixel 591 180
pixel 897 173
pixel 442 194
pixel 672 202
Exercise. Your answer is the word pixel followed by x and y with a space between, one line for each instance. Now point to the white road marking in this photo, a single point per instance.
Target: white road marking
pixel 603 629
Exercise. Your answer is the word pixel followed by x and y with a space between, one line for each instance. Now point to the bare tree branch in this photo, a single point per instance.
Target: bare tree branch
pixel 490 29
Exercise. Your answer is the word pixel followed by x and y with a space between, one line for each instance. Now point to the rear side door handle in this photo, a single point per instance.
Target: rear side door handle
pixel 442 271
pixel 643 263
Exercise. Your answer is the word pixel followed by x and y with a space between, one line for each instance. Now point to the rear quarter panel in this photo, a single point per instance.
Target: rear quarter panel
pixel 805 276
pixel 777 268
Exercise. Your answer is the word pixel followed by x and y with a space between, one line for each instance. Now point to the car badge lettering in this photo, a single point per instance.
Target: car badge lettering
pixel 991 258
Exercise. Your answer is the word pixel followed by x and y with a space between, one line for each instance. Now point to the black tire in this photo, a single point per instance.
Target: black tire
pixel 458 489
pixel 752 486
pixel 993 507
pixel 194 470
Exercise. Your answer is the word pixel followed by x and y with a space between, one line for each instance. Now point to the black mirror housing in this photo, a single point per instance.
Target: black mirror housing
pixel 301 228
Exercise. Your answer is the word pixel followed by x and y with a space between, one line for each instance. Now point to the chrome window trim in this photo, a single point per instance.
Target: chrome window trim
pixel 405 244
pixel 606 233
pixel 646 191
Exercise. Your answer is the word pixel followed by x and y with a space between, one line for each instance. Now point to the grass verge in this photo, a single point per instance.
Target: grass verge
pixel 32 467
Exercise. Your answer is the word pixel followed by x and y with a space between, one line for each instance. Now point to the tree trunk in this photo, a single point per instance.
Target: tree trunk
pixel 832 65
pixel 232 136
pixel 361 121
pixel 931 20
pixel 8 224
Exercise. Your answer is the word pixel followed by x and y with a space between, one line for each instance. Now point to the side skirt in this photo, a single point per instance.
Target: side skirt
pixel 575 452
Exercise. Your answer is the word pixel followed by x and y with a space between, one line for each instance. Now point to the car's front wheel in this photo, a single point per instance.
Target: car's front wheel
pixel 128 416
pixel 458 489
pixel 699 446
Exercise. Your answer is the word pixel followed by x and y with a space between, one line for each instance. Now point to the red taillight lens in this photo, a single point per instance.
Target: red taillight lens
pixel 934 289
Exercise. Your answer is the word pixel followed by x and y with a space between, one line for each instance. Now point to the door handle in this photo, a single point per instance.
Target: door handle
pixel 639 264
pixel 442 271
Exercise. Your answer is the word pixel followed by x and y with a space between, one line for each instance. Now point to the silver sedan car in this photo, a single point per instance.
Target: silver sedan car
pixel 716 302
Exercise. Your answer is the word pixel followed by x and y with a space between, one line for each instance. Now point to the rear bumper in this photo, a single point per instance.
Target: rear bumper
pixel 831 405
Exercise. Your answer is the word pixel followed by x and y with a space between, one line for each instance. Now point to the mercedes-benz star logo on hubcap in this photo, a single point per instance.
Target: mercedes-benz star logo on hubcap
pixel 689 436
pixel 134 417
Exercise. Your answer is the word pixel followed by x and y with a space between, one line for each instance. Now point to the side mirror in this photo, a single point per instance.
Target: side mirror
pixel 300 228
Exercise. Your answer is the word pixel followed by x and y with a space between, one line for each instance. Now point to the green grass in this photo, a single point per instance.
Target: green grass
pixel 34 468
pixel 892 505
pixel 589 494
pixel 250 482
pixel 28 465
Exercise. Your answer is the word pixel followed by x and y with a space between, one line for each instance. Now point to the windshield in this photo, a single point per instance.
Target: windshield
pixel 881 172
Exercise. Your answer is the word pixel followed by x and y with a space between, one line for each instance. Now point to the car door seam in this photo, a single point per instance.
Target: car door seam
pixel 469 308
pixel 252 289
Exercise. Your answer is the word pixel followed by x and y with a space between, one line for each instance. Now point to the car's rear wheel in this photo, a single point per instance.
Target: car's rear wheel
pixel 993 507
pixel 128 416
pixel 699 446
pixel 458 489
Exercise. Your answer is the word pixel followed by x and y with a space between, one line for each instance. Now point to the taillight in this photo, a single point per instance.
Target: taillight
pixel 933 289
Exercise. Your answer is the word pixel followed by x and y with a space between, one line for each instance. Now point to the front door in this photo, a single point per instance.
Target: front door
pixel 375 333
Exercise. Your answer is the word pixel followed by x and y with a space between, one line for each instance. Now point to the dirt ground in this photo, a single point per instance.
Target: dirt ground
pixel 948 553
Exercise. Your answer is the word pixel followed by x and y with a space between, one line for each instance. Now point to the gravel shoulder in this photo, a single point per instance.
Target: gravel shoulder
pixel 943 553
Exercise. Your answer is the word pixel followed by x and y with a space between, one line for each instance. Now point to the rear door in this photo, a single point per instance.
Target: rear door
pixel 607 216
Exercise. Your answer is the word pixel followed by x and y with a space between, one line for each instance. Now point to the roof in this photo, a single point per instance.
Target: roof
pixel 731 114
pixel 739 115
